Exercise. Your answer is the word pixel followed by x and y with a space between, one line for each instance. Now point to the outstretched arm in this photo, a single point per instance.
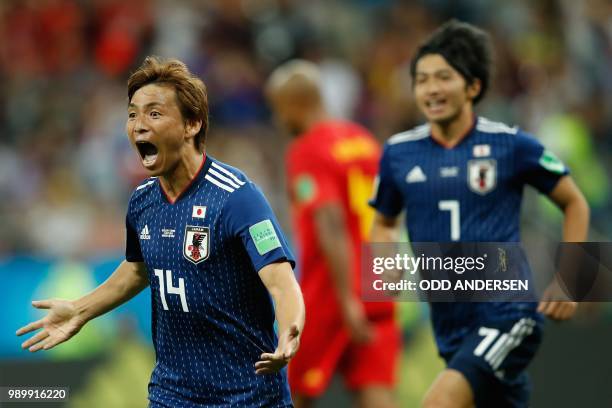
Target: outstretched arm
pixel 570 200
pixel 280 281
pixel 65 318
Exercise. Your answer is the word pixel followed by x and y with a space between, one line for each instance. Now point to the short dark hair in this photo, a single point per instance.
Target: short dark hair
pixel 465 47
pixel 190 91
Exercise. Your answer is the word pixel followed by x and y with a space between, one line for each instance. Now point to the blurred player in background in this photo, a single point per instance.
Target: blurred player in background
pixel 203 236
pixel 331 166
pixel 460 178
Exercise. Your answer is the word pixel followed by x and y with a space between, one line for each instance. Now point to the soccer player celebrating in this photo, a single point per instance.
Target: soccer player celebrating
pixel 460 178
pixel 331 166
pixel 204 238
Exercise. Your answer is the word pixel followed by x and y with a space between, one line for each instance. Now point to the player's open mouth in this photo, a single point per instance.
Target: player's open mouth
pixel 435 105
pixel 148 152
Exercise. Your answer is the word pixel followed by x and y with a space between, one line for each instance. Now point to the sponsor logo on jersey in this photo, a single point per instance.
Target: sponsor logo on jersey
pixel 415 175
pixel 199 211
pixel 144 234
pixel 482 150
pixel 167 233
pixel 482 175
pixel 197 243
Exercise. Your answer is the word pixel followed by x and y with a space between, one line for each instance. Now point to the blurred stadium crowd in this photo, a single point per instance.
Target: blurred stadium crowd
pixel 66 168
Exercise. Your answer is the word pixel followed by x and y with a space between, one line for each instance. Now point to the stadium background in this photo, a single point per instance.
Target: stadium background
pixel 66 168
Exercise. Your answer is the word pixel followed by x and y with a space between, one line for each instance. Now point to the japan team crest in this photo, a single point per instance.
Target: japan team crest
pixel 196 244
pixel 482 175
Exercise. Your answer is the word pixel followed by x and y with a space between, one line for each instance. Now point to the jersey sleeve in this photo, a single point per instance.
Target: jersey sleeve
pixel 313 180
pixel 387 198
pixel 536 165
pixel 249 217
pixel 133 252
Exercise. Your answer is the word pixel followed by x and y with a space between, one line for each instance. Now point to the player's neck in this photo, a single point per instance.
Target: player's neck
pixel 176 181
pixel 314 118
pixel 450 133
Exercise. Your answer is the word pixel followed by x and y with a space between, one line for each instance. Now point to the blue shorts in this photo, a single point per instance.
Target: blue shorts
pixel 493 359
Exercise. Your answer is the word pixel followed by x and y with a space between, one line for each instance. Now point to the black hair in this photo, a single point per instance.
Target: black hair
pixel 465 47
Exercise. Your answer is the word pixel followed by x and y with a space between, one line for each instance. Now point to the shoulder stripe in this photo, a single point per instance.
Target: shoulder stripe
pixel 417 133
pixel 148 183
pixel 228 173
pixel 219 184
pixel 486 125
pixel 223 178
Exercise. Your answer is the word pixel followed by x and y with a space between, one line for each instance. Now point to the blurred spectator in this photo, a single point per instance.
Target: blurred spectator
pixel 66 168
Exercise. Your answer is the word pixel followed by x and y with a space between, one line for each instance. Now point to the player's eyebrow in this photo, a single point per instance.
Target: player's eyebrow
pixel 437 71
pixel 146 106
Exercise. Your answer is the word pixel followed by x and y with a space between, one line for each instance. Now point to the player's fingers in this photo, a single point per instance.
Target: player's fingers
pixel 35 339
pixel 553 310
pixel 562 313
pixel 264 371
pixel 54 341
pixel 42 304
pixel 559 312
pixel 543 308
pixel 567 310
pixel 572 309
pixel 269 367
pixel 548 308
pixel 270 356
pixel 265 364
pixel 30 327
pixel 38 346
pixel 553 313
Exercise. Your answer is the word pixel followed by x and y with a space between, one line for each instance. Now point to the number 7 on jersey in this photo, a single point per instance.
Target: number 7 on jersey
pixel 455 221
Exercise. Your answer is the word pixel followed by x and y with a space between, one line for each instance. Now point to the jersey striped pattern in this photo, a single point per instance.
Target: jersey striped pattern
pixel 418 133
pixel 223 178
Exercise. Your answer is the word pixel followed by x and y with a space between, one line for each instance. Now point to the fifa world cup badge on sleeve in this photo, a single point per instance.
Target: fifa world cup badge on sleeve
pixel 264 236
pixel 196 244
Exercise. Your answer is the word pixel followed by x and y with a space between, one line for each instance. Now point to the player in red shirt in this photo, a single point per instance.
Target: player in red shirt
pixel 331 165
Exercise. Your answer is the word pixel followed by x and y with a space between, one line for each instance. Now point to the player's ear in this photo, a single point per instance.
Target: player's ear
pixel 192 127
pixel 473 89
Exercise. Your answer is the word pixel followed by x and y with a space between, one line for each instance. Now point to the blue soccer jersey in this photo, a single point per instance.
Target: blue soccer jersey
pixel 471 192
pixel 212 317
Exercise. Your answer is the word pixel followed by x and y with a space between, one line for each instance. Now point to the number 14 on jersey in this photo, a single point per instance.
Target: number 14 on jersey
pixel 166 285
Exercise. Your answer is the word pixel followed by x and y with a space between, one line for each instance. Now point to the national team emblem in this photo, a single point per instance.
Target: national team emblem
pixel 482 175
pixel 197 243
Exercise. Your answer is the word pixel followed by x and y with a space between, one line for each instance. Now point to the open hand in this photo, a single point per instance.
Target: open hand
pixel 60 324
pixel 288 344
